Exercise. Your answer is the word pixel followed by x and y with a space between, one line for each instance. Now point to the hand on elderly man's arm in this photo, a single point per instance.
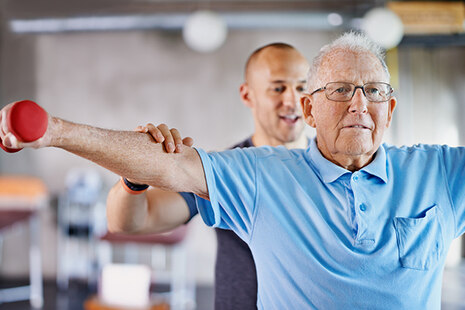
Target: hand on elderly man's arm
pixel 126 153
pixel 154 210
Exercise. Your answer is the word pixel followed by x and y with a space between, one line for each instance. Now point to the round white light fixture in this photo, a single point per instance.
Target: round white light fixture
pixel 204 31
pixel 383 27
pixel 335 19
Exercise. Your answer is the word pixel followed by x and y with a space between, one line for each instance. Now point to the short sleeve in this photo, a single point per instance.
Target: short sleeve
pixel 190 201
pixel 231 182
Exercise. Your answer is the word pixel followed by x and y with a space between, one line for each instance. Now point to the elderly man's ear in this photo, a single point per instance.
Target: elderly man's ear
pixel 391 107
pixel 307 105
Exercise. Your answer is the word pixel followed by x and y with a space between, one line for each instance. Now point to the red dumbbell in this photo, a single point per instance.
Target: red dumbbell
pixel 27 121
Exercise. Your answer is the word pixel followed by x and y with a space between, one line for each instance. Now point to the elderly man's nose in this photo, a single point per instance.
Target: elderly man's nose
pixel 359 102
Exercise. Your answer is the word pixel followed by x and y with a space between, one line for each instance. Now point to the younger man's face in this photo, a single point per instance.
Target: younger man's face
pixel 276 81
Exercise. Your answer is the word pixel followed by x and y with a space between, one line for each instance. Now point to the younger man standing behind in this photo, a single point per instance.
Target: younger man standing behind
pixel 275 77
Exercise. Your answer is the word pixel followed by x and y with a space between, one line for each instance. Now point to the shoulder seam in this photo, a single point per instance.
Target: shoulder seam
pixel 256 205
pixel 443 169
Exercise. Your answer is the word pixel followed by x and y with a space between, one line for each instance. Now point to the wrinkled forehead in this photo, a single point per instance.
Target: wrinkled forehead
pixel 351 66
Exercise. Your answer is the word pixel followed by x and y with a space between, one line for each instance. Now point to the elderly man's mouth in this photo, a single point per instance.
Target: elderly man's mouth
pixel 356 126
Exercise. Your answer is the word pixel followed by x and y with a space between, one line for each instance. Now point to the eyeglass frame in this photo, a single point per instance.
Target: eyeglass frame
pixel 391 90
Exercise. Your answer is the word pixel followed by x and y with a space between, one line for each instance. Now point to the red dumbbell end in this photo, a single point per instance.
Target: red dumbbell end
pixel 27 121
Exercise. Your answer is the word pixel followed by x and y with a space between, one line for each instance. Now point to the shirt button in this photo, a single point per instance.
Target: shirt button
pixel 363 207
pixel 355 177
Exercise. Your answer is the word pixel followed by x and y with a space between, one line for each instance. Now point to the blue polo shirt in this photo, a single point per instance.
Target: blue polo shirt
pixel 325 238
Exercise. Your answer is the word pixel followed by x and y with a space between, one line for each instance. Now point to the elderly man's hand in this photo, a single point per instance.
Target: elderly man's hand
pixel 170 138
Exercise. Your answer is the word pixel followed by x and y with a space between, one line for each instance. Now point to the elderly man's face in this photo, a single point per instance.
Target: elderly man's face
pixel 348 133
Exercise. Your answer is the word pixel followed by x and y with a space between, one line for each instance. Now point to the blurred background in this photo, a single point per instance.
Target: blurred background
pixel 122 63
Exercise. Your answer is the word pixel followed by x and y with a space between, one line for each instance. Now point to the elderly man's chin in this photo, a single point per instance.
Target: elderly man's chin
pixel 356 146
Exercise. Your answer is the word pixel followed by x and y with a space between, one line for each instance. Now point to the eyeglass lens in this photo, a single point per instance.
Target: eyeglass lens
pixel 340 91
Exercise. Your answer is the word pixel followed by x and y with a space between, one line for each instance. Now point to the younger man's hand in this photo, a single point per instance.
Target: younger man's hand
pixel 170 138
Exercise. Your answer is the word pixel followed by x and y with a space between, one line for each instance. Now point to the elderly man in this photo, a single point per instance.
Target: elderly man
pixel 275 77
pixel 346 224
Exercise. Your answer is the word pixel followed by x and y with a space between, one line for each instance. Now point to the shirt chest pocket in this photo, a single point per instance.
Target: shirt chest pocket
pixel 419 240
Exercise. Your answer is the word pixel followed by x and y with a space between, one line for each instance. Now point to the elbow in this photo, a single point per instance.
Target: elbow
pixel 115 229
pixel 115 218
pixel 116 225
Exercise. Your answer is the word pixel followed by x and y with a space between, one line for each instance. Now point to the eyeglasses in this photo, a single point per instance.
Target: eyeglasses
pixel 343 91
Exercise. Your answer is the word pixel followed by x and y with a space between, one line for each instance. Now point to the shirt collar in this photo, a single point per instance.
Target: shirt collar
pixel 330 172
pixel 378 167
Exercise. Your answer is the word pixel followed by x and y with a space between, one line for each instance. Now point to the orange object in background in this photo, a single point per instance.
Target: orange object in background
pixel 21 199
pixel 21 192
pixel 430 17
pixel 94 304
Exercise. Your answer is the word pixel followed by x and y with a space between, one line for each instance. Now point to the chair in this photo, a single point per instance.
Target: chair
pixel 21 199
pixel 168 261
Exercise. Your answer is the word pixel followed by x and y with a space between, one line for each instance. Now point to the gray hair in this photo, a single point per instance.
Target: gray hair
pixel 351 41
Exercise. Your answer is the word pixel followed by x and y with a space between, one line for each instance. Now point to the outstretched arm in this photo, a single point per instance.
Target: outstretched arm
pixel 153 210
pixel 129 154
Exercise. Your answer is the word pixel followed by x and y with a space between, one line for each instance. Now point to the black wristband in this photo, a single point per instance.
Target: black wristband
pixel 135 187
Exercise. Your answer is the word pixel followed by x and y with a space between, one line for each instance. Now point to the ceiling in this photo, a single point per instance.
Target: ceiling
pixel 88 15
pixel 33 9
pixel 38 16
